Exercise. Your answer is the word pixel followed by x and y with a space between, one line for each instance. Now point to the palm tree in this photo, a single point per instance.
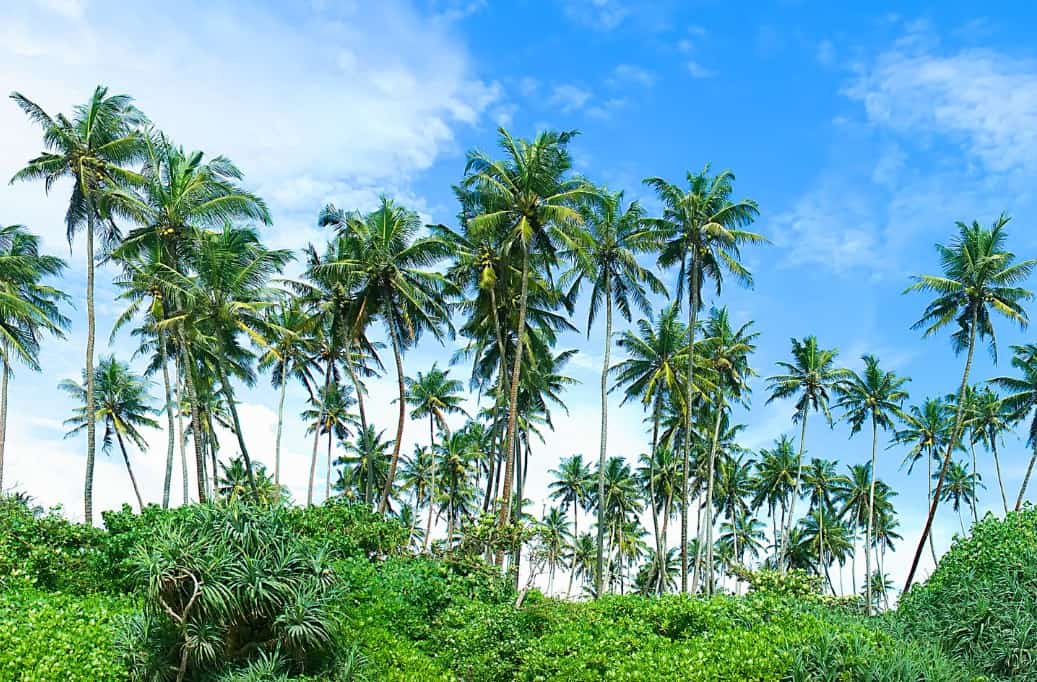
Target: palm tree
pixel 554 535
pixel 991 419
pixel 458 453
pixel 93 148
pixel 700 231
pixel 288 346
pixel 774 481
pixel 1021 399
pixel 979 276
pixel 28 309
pixel 876 396
pixel 330 416
pixel 653 374
pixel 822 485
pixel 727 354
pixel 529 195
pixel 388 263
pixel 961 488
pixel 572 487
pixel 367 459
pixel 621 501
pixel 416 476
pixel 812 375
pixel 224 295
pixel 122 405
pixel 604 255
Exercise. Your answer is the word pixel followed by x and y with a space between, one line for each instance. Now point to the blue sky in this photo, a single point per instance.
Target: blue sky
pixel 863 132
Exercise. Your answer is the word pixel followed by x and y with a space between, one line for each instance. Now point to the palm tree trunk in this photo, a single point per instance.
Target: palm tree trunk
pixel 603 438
pixel 228 395
pixel 493 475
pixel 428 526
pixel 432 471
pixel 975 490
pixel 170 426
pixel 516 373
pixel 693 311
pixel 997 470
pixel 1026 481
pixel 129 469
pixel 88 483
pixel 327 479
pixel 316 431
pixel 795 492
pixel 658 558
pixel 192 398
pixel 932 547
pixel 955 433
pixel 280 422
pixel 4 378
pixel 576 537
pixel 710 475
pixel 358 388
pixel 871 512
pixel 397 353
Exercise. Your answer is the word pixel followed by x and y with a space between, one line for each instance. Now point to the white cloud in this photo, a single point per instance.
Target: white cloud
pixel 569 97
pixel 984 100
pixel 697 70
pixel 825 53
pixel 603 15
pixel 628 73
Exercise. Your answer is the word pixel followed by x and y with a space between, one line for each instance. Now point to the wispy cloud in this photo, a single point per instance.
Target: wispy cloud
pixel 625 74
pixel 697 70
pixel 569 97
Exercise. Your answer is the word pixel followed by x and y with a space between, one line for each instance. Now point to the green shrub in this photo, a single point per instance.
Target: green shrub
pixel 56 637
pixel 349 529
pixel 980 604
pixel 45 550
pixel 228 587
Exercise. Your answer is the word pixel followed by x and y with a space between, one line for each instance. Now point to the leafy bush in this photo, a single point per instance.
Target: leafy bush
pixel 52 637
pixel 229 587
pixel 349 529
pixel 45 550
pixel 980 604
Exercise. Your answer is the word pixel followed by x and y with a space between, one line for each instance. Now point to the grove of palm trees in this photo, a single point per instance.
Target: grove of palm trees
pixel 415 550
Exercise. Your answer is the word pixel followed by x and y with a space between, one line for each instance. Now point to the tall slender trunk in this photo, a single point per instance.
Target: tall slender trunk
pixel 397 354
pixel 955 433
pixel 932 456
pixel 280 422
pixel 88 482
pixel 428 526
pixel 129 470
pixel 432 474
pixel 359 389
pixel 710 475
pixel 659 550
pixel 997 469
pixel 228 395
pixel 603 438
pixel 693 311
pixel 516 370
pixel 192 398
pixel 316 430
pixel 1026 481
pixel 4 379
pixel 871 511
pixel 327 479
pixel 170 427
pixel 795 493
pixel 972 473
pixel 493 475
pixel 576 537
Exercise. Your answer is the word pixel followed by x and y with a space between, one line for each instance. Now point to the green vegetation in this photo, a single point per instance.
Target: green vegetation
pixel 428 564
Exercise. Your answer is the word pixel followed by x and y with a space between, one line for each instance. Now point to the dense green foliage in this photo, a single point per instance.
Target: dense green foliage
pixel 55 636
pixel 981 602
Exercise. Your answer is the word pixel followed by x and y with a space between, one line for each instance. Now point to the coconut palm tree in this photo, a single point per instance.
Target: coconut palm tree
pixel 387 264
pixel 875 396
pixel 774 481
pixel 652 374
pixel 29 308
pixel 991 419
pixel 94 148
pixel 811 378
pixel 960 489
pixel 604 255
pixel 416 477
pixel 700 231
pixel 572 488
pixel 726 353
pixel 331 415
pixel 527 197
pixel 458 455
pixel 367 459
pixel 979 277
pixel 223 297
pixel 554 536
pixel 1020 400
pixel 122 406
pixel 288 343
pixel 822 484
